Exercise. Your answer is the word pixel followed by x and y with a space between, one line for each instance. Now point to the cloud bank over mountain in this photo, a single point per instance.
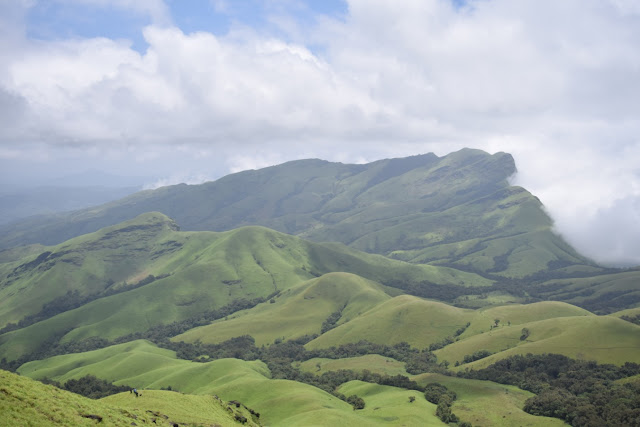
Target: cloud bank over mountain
pixel 553 83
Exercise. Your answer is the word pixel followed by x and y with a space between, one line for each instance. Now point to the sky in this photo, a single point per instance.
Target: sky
pixel 191 90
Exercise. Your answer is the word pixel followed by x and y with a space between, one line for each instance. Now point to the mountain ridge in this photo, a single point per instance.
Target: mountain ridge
pixel 457 210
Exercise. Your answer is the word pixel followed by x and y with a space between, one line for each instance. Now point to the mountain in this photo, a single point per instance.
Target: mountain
pixel 458 210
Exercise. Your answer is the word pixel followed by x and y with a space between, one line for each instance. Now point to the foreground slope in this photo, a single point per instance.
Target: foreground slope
pixel 458 209
pixel 28 402
pixel 280 402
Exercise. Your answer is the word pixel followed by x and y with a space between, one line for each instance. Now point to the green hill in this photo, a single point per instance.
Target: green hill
pixel 371 362
pixel 457 210
pixel 280 402
pixel 485 403
pixel 26 402
pixel 604 339
pixel 144 272
pixel 404 318
pixel 297 311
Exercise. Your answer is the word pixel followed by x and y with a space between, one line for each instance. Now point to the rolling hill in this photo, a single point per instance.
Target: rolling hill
pixel 280 402
pixel 144 272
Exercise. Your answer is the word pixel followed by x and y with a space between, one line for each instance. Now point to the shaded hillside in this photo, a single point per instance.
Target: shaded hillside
pixel 457 210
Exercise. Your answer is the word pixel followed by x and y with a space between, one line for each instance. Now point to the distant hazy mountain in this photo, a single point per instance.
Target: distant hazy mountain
pixel 456 210
pixel 52 199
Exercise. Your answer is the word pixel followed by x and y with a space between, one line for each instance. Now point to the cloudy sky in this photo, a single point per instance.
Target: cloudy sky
pixel 190 90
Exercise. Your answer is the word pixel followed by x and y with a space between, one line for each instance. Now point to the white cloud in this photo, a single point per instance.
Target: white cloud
pixel 554 83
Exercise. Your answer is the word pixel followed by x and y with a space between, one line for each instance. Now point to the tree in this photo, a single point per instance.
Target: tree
pixel 356 401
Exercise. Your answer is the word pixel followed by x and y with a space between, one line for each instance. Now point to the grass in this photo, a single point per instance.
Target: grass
pixel 518 314
pixel 386 405
pixel 198 271
pixel 26 402
pixel 602 294
pixel 604 339
pixel 139 364
pixel 484 403
pixel 297 311
pixel 371 362
pixel 188 408
pixel 415 320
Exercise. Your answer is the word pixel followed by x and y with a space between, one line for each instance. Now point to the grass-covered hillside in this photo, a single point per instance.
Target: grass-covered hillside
pixel 457 210
pixel 279 402
pixel 25 402
pixel 144 272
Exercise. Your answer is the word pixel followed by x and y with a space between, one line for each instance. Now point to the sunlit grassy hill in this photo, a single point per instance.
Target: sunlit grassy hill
pixel 26 402
pixel 457 210
pixel 298 311
pixel 280 402
pixel 144 272
pixel 404 318
pixel 485 403
pixel 604 339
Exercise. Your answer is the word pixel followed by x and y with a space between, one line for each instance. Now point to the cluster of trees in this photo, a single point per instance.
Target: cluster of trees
pixel 356 401
pixel 89 386
pixel 477 355
pixel 331 321
pixel 440 395
pixel 633 319
pixel 582 393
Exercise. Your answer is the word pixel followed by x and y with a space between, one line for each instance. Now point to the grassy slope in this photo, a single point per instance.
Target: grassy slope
pixel 206 270
pixel 372 362
pixel 606 293
pixel 297 311
pixel 404 318
pixel 390 405
pixel 189 409
pixel 601 338
pixel 484 403
pixel 87 264
pixel 455 209
pixel 421 322
pixel 139 364
pixel 31 403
